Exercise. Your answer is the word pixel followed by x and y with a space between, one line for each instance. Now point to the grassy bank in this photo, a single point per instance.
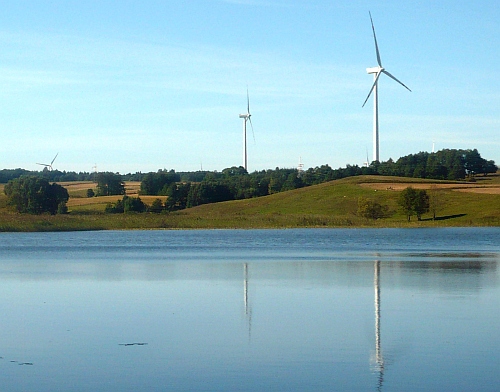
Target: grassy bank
pixel 332 204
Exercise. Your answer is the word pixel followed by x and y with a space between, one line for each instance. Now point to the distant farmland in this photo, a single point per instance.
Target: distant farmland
pixel 331 204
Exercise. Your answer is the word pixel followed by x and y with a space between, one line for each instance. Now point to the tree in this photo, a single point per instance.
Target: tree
pixel 234 171
pixel 490 167
pixel 156 206
pixel 436 201
pixel 421 204
pixel 414 202
pixel 208 192
pixel 473 162
pixel 35 195
pixel 371 209
pixel 177 196
pixel 293 181
pixel 126 204
pixel 62 208
pixel 158 183
pixel 109 184
pixel 116 208
pixel 133 204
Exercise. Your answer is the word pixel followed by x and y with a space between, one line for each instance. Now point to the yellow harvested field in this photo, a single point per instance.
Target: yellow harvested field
pixel 77 185
pixel 485 190
pixel 84 201
pixel 77 190
pixel 493 189
pixel 131 187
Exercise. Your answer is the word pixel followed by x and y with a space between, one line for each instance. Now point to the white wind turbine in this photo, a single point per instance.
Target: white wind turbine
pixel 246 117
pixel 48 165
pixel 377 71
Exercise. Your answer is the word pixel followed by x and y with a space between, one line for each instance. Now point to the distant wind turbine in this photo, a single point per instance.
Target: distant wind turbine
pixel 246 117
pixel 48 165
pixel 377 71
pixel 94 169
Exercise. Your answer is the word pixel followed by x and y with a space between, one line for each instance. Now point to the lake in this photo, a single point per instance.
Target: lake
pixel 251 310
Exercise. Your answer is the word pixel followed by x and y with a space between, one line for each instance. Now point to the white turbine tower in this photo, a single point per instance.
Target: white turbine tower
pixel 246 117
pixel 49 165
pixel 377 71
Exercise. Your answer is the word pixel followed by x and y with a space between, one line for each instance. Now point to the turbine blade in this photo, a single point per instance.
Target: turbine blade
pixel 393 77
pixel 251 126
pixel 248 102
pixel 54 159
pixel 373 86
pixel 376 45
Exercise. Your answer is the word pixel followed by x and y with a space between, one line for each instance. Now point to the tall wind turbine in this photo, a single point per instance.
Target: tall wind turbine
pixel 377 71
pixel 48 165
pixel 246 117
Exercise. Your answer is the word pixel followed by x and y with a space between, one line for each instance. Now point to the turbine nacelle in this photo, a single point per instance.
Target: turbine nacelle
pixel 49 165
pixel 374 70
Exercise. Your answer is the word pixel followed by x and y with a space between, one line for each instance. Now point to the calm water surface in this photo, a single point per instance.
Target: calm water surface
pixel 251 310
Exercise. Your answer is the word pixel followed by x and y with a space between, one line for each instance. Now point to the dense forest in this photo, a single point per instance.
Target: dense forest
pixel 189 189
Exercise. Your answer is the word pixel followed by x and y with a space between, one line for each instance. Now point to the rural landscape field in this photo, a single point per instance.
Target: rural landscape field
pixel 331 204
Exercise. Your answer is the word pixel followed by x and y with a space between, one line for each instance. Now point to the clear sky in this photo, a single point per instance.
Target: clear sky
pixel 145 85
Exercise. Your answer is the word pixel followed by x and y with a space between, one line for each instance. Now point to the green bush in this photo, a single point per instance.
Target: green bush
pixel 371 209
pixel 156 206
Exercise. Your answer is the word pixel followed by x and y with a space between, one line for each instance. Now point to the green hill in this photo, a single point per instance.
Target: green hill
pixel 331 204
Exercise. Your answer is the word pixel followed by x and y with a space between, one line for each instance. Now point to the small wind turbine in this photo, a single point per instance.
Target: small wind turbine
pixel 300 168
pixel 377 71
pixel 48 165
pixel 246 117
pixel 94 169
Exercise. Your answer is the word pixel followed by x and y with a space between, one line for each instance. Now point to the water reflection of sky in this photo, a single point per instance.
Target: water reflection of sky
pixel 248 322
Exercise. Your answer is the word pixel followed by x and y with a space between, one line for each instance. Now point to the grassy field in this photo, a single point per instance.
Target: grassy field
pixel 332 204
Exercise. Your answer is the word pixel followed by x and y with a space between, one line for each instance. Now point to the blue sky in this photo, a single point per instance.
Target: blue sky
pixel 144 85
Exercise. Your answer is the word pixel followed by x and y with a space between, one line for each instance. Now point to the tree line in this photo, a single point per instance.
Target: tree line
pixel 190 189
pixel 236 183
pixel 60 176
pixel 447 164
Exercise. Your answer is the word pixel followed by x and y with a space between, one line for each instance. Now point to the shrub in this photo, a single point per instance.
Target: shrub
pixel 133 204
pixel 371 209
pixel 62 208
pixel 126 204
pixel 156 206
